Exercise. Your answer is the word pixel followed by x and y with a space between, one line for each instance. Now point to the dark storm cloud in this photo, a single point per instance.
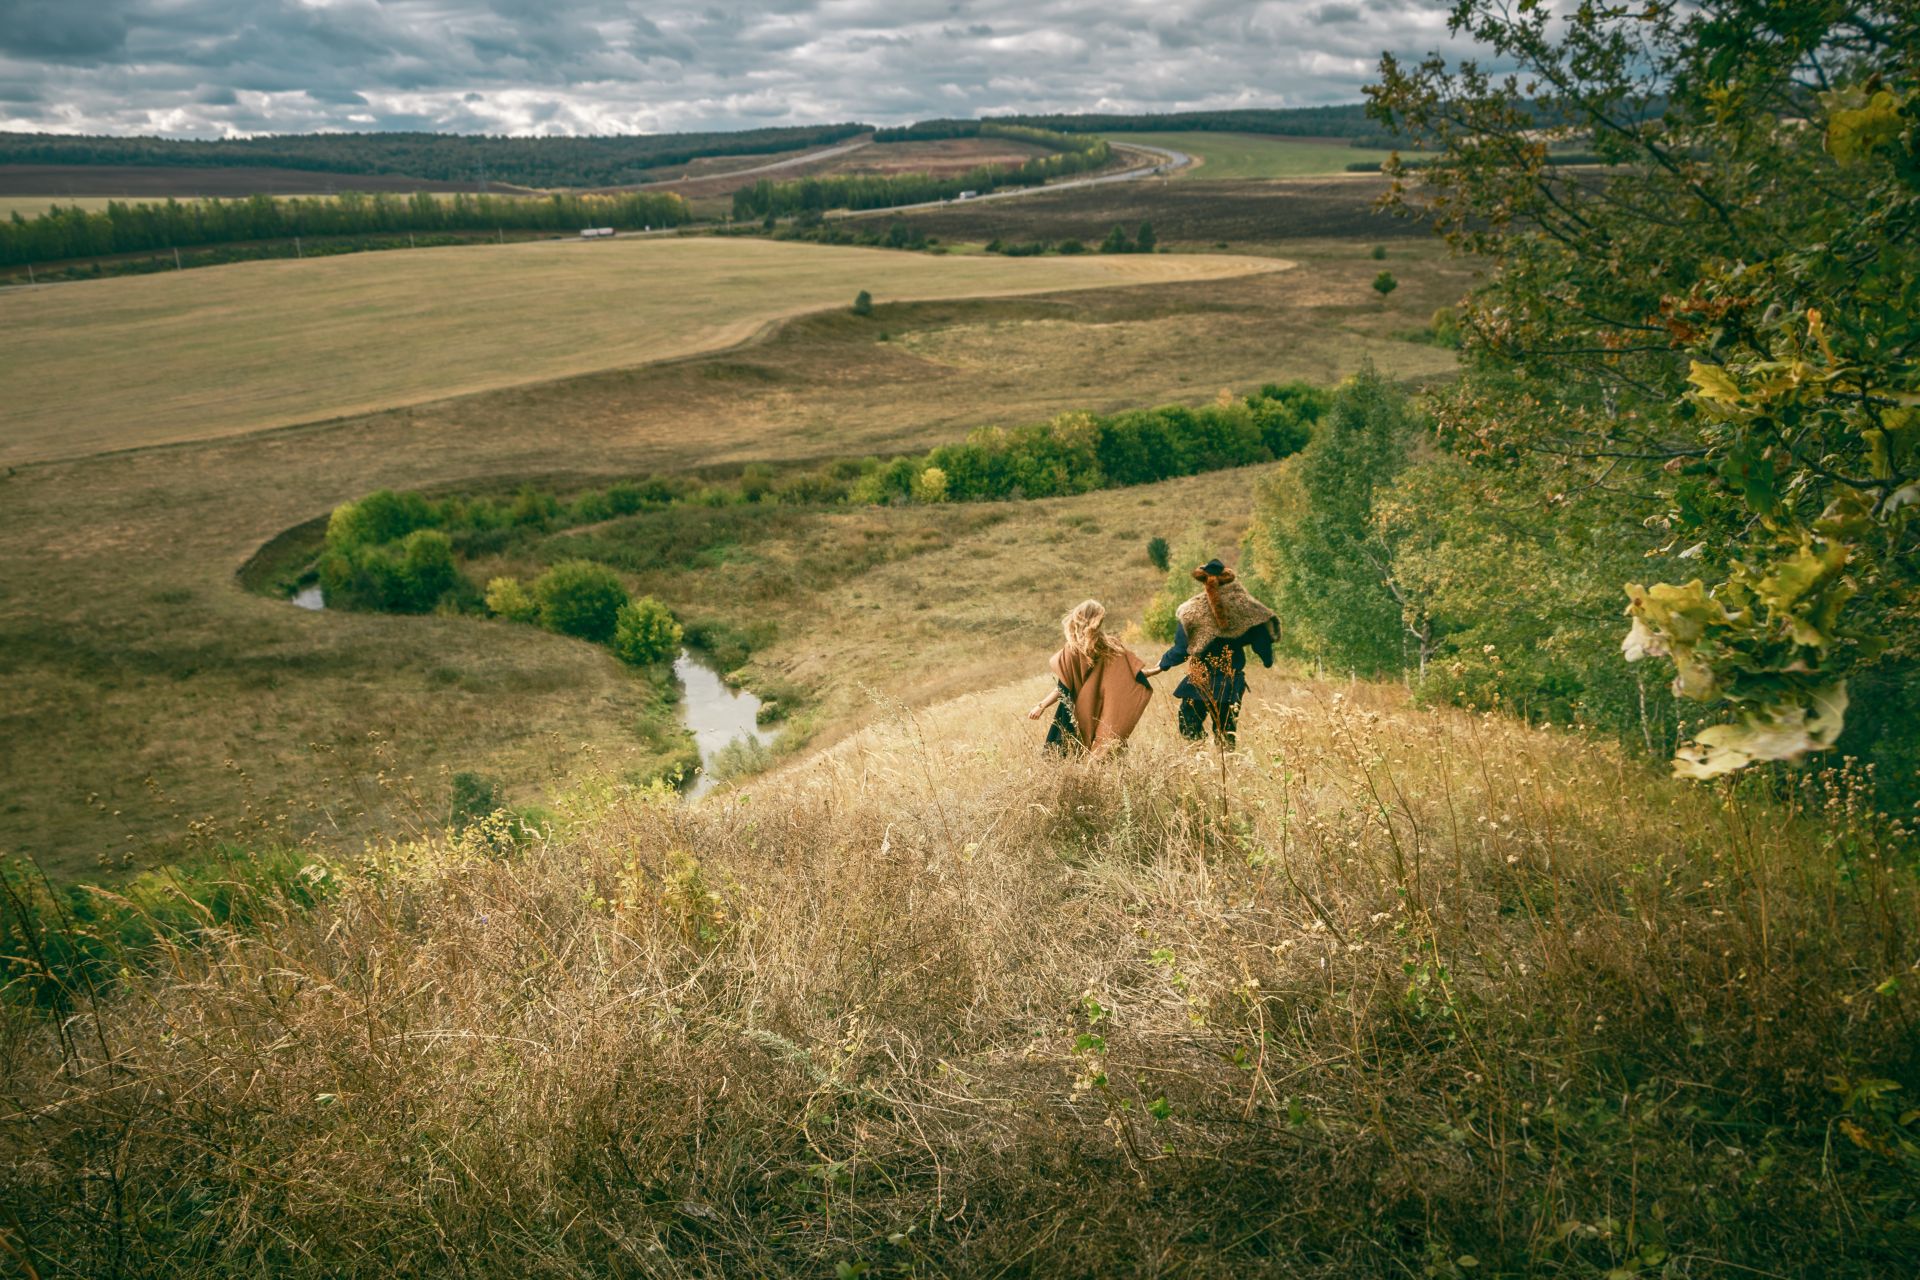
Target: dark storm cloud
pixel 209 67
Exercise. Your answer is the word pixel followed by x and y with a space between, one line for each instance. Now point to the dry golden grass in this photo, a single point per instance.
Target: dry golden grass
pixel 1385 992
pixel 143 360
pixel 136 666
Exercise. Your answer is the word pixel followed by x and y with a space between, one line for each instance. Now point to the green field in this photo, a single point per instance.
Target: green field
pixel 1243 155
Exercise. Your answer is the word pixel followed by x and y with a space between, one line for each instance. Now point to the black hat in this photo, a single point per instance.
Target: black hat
pixel 1213 568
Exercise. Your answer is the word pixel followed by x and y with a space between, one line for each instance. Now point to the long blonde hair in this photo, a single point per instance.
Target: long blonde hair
pixel 1081 626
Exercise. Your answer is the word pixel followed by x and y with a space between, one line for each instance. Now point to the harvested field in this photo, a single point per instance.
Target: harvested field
pixel 1187 211
pixel 261 344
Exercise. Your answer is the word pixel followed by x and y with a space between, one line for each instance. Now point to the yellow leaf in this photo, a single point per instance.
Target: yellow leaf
pixel 1714 383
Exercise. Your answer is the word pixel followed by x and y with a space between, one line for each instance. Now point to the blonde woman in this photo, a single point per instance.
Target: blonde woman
pixel 1098 693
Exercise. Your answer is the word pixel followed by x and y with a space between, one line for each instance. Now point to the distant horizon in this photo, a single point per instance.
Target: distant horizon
pixel 739 127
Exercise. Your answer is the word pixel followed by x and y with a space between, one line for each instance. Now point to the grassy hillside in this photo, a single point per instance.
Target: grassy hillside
pixel 136 664
pixel 191 355
pixel 1386 991
pixel 1245 155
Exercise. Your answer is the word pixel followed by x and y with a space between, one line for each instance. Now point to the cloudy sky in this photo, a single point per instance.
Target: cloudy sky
pixel 214 67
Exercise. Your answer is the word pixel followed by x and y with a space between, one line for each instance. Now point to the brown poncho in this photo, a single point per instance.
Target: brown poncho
pixel 1107 699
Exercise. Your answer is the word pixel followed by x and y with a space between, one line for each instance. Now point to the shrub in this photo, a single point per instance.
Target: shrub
pixel 474 798
pixel 645 633
pixel 756 481
pixel 1144 241
pixel 1071 246
pixel 1116 241
pixel 1384 283
pixel 381 517
pixel 580 598
pixel 426 571
pixel 1379 252
pixel 1157 551
pixel 507 598
pixel 930 485
pixel 863 303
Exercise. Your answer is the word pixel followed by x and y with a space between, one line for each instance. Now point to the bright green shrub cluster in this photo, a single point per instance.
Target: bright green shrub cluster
pixel 408 576
pixel 645 633
pixel 508 598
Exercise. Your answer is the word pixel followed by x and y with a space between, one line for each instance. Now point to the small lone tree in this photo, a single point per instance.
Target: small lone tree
pixel 1157 552
pixel 645 633
pixel 863 303
pixel 1379 252
pixel 1384 283
pixel 1144 241
pixel 1116 241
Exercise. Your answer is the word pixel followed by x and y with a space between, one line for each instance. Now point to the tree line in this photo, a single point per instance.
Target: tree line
pixel 128 227
pixel 1675 493
pixel 439 157
pixel 1073 153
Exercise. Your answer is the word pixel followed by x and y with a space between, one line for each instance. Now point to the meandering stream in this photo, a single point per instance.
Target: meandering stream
pixel 717 716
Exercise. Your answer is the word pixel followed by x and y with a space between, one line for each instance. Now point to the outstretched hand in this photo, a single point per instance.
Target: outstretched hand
pixel 1151 671
pixel 1036 713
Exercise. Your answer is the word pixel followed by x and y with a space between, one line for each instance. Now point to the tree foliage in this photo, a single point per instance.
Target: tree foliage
pixel 1315 551
pixel 1073 153
pixel 66 232
pixel 580 598
pixel 1719 327
pixel 645 633
pixel 441 157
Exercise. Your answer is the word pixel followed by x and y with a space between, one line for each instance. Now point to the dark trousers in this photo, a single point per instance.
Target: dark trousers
pixel 1195 712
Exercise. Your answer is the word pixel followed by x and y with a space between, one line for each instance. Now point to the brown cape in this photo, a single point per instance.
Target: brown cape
pixel 1242 614
pixel 1108 700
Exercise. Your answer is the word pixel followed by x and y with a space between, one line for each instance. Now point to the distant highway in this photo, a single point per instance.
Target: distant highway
pixel 1168 161
pixel 805 157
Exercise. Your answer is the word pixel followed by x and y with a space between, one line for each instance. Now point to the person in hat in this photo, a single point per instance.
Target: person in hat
pixel 1099 693
pixel 1213 633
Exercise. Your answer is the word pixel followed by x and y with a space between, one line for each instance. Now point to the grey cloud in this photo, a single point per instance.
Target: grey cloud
pixel 59 29
pixel 211 67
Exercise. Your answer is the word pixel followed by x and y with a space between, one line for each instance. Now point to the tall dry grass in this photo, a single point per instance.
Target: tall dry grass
pixel 1385 992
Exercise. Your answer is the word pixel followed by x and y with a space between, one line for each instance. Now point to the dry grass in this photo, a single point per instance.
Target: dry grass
pixel 136 667
pixel 143 360
pixel 1387 993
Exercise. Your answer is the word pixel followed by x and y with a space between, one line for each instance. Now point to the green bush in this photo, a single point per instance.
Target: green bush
pixel 507 598
pixel 863 303
pixel 381 517
pixel 1384 283
pixel 580 598
pixel 1379 252
pixel 930 485
pixel 1116 241
pixel 645 633
pixel 1071 246
pixel 1157 551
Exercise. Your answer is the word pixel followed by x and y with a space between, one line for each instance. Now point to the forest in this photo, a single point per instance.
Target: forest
pixel 123 227
pixel 440 157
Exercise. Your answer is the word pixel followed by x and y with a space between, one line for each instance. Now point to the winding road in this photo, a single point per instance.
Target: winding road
pixel 1167 161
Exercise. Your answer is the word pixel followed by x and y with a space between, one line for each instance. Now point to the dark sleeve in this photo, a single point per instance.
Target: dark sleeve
pixel 1178 654
pixel 1261 643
